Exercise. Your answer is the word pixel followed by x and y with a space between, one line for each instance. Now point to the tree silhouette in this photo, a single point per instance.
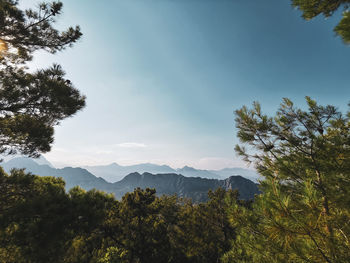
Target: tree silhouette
pixel 31 104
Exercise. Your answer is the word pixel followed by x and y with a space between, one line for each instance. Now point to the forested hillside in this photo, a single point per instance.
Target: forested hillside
pixel 40 222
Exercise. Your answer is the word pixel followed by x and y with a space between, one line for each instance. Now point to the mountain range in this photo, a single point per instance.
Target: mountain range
pixel 115 172
pixel 165 183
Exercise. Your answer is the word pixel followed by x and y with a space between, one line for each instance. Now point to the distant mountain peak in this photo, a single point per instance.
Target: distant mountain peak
pixel 19 159
pixel 43 161
pixel 22 161
pixel 134 174
pixel 187 168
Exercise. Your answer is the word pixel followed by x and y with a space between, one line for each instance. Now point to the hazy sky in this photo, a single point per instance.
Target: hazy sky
pixel 163 77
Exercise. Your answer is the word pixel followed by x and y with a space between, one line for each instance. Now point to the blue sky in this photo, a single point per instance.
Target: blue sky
pixel 163 77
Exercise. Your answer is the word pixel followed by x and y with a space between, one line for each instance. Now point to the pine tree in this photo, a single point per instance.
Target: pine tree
pixel 313 8
pixel 31 104
pixel 303 214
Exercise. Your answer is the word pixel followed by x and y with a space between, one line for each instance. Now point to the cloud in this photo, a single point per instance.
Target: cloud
pixel 131 145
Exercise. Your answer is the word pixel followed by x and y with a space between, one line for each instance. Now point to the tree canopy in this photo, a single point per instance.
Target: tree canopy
pixel 313 8
pixel 303 213
pixel 32 103
pixel 41 222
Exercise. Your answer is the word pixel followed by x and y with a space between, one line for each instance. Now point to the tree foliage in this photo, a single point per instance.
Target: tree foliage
pixel 32 103
pixel 40 222
pixel 313 8
pixel 303 214
pixel 34 216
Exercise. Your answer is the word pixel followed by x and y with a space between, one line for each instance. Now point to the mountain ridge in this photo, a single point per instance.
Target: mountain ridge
pixel 195 188
pixel 113 173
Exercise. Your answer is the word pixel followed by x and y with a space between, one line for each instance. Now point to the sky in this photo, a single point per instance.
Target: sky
pixel 164 77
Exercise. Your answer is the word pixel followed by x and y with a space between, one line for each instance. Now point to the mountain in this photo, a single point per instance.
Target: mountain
pixel 72 176
pixel 40 160
pixel 195 188
pixel 115 172
pixel 169 183
pixel 247 173
pixel 192 172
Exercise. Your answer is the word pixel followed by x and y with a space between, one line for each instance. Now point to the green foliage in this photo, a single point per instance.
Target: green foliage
pixel 303 214
pixel 152 229
pixel 312 8
pixel 40 222
pixel 34 215
pixel 31 104
pixel 204 231
pixel 91 213
pixel 142 235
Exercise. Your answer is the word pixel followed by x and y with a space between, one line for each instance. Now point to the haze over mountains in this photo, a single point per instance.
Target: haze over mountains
pixel 164 182
pixel 115 172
